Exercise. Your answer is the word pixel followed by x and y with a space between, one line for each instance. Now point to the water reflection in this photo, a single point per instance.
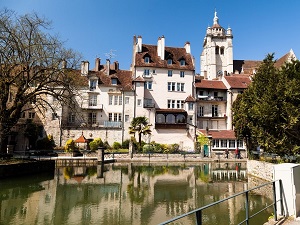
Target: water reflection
pixel 127 194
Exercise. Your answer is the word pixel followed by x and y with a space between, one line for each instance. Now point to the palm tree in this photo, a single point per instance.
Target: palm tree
pixel 141 126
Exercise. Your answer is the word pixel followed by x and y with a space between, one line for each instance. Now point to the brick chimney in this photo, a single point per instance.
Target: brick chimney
pixel 97 64
pixel 107 66
pixel 116 65
pixel 84 68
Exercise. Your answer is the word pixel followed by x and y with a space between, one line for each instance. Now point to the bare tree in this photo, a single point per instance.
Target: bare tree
pixel 32 66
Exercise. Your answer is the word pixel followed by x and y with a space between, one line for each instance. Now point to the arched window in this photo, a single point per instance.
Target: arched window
pixel 222 50
pixel 180 118
pixel 170 118
pixel 160 118
pixel 217 50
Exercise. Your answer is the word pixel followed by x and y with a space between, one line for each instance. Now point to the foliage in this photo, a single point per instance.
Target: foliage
pixel 45 143
pixel 96 143
pixel 106 145
pixel 116 145
pixel 70 146
pixel 125 144
pixel 31 69
pixel 141 126
pixel 202 140
pixel 147 148
pixel 268 113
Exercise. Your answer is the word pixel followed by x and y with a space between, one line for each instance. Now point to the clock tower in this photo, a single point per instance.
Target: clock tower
pixel 217 55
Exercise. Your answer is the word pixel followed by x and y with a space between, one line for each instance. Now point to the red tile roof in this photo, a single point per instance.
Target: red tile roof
pixel 238 81
pixel 190 99
pixel 211 84
pixel 176 54
pixel 219 134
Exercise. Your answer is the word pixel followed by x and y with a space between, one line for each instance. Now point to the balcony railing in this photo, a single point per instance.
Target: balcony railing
pixel 170 125
pixel 210 98
pixel 92 125
pixel 98 106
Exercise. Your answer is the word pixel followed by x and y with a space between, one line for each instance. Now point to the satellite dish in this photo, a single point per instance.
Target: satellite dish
pixel 220 72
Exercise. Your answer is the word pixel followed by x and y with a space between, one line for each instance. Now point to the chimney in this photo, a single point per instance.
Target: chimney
pixel 187 47
pixel 84 68
pixel 116 65
pixel 205 74
pixel 64 64
pixel 225 73
pixel 159 47
pixel 162 41
pixel 97 64
pixel 139 44
pixel 107 66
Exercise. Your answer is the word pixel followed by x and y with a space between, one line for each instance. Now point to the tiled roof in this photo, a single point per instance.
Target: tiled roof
pixel 219 134
pixel 246 66
pixel 285 59
pixel 238 81
pixel 139 79
pixel 211 84
pixel 124 78
pixel 190 99
pixel 81 139
pixel 176 54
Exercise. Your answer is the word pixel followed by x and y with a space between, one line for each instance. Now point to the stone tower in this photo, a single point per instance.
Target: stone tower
pixel 217 55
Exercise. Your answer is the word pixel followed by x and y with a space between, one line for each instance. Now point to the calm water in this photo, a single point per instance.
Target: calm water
pixel 128 194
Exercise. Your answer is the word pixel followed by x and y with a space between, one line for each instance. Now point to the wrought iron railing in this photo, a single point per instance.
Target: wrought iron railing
pixel 199 212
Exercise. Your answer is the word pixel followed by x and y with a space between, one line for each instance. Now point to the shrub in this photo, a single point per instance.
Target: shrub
pixel 116 145
pixel 125 144
pixel 45 143
pixel 95 144
pixel 106 145
pixel 174 148
pixel 70 145
pixel 148 148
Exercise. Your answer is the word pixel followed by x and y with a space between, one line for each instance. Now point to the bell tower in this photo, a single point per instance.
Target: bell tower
pixel 216 59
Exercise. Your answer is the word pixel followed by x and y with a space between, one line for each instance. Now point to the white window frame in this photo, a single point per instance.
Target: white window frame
pixel 181 73
pixel 93 100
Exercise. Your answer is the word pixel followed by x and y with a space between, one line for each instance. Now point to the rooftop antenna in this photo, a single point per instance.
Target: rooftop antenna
pixel 111 54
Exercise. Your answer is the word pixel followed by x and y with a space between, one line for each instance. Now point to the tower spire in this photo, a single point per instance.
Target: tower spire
pixel 216 19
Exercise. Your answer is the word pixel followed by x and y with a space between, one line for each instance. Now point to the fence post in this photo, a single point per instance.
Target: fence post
pixel 199 217
pixel 275 202
pixel 247 207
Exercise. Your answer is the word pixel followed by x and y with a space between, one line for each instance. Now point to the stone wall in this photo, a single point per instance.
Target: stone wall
pixel 263 170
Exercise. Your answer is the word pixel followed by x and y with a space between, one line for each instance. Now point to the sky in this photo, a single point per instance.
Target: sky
pixel 97 27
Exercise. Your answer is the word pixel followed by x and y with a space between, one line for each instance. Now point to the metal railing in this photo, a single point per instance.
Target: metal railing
pixel 198 212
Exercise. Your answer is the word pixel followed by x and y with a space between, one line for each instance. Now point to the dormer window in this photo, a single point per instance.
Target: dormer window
pixel 147 59
pixel 169 61
pixel 182 62
pixel 93 84
pixel 114 81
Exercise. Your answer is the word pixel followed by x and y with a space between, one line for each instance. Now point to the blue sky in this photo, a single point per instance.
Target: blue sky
pixel 94 27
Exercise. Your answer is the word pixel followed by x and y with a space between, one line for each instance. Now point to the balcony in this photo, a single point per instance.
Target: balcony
pixel 94 107
pixel 149 105
pixel 216 116
pixel 92 125
pixel 170 125
pixel 210 98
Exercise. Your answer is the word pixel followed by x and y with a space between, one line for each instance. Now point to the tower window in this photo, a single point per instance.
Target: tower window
pixel 217 50
pixel 222 50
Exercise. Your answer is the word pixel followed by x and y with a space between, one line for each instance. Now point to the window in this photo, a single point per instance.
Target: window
pixel 215 94
pixel 222 50
pixel 170 73
pixel 171 104
pixel 31 115
pixel 182 62
pixel 92 119
pixel 201 93
pixel 216 143
pixel 116 99
pixel 120 100
pixel 154 71
pixel 148 85
pixel 71 118
pixel 146 72
pixel 170 118
pixel 139 102
pixel 223 143
pixel 201 111
pixel 114 81
pixel 147 60
pixel 120 116
pixel 126 100
pixel 23 114
pixel 115 116
pixel 126 118
pixel 109 116
pixel 191 106
pixel 240 143
pixel 180 119
pixel 171 86
pixel 214 110
pixel 93 84
pixel 110 99
pixel 231 143
pixel 180 104
pixel 93 100
pixel 169 62
pixel 181 73
pixel 180 87
pixel 217 50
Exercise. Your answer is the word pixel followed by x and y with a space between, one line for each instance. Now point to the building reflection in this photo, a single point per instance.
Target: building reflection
pixel 127 194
